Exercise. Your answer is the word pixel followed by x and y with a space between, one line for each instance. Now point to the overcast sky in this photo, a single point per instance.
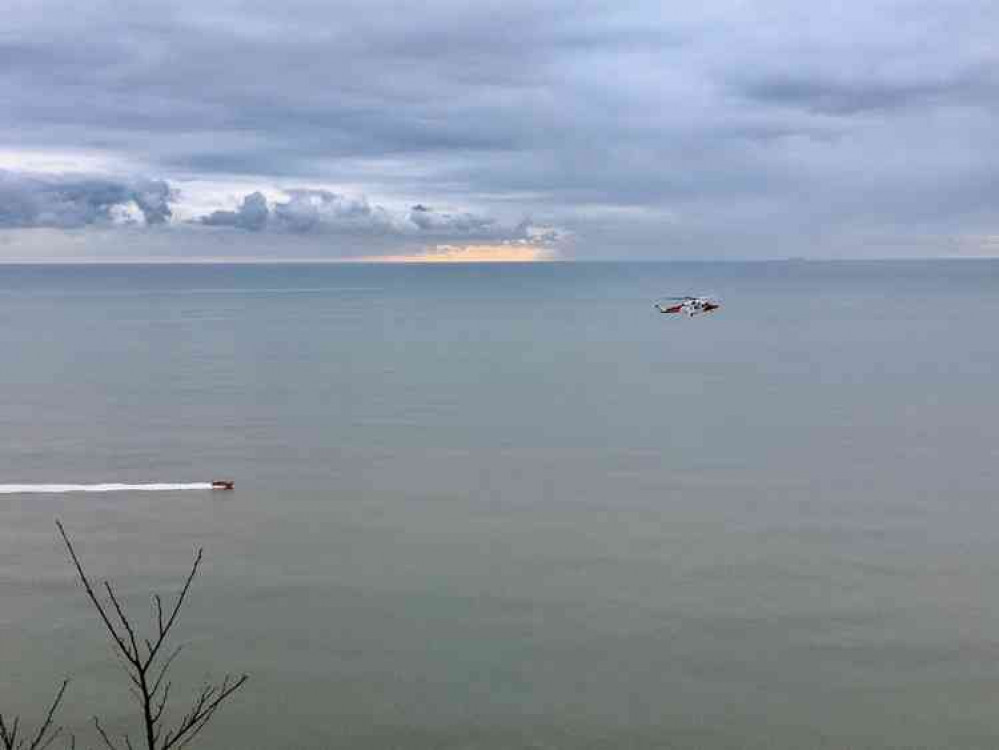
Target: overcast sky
pixel 573 129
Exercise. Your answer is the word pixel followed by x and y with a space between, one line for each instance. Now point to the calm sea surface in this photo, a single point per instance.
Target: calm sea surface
pixel 500 507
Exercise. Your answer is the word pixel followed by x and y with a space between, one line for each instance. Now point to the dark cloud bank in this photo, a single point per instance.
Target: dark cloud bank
pixel 714 129
pixel 315 210
pixel 68 202
pixel 72 202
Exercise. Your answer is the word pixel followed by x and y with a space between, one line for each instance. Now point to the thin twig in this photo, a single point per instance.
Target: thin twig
pixel 163 669
pixel 104 735
pixel 165 629
pixel 45 735
pixel 134 655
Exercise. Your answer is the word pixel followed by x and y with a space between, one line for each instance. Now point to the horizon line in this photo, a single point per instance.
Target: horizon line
pixel 375 261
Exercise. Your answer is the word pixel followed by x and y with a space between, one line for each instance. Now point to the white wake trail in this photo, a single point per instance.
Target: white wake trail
pixel 22 489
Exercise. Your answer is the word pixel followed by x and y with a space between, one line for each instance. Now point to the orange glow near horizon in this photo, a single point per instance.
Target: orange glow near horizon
pixel 470 254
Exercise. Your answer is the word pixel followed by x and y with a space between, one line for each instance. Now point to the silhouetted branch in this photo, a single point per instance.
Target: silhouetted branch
pixel 134 653
pixel 90 593
pixel 205 706
pixel 104 735
pixel 46 734
pixel 163 670
pixel 148 671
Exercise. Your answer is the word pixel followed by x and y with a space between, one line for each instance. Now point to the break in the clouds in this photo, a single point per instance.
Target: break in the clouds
pixel 716 129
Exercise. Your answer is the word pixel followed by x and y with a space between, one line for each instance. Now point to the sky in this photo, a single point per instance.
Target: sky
pixel 498 129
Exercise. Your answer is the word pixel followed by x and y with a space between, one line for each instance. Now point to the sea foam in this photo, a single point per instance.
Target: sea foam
pixel 21 489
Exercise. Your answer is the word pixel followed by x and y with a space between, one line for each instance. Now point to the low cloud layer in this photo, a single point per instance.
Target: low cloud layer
pixel 315 211
pixel 62 202
pixel 70 202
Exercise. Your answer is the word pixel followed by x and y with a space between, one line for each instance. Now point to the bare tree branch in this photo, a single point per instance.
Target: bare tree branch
pixel 163 669
pixel 161 704
pixel 40 741
pixel 134 654
pixel 104 735
pixel 8 735
pixel 90 592
pixel 205 706
pixel 165 629
pixel 148 672
pixel 45 735
pixel 159 612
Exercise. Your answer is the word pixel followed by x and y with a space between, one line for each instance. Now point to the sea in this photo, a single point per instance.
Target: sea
pixel 494 507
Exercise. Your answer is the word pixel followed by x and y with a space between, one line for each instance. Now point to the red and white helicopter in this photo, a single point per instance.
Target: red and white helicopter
pixel 689 306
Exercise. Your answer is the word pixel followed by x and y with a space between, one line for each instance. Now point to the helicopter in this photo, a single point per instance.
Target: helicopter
pixel 689 306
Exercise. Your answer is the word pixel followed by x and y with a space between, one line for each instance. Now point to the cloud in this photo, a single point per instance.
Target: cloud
pixel 848 95
pixel 316 210
pixel 252 214
pixel 70 202
pixel 434 222
pixel 718 126
pixel 59 201
pixel 307 211
pixel 533 234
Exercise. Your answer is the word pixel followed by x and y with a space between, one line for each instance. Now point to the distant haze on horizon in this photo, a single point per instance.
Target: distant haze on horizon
pixel 508 130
